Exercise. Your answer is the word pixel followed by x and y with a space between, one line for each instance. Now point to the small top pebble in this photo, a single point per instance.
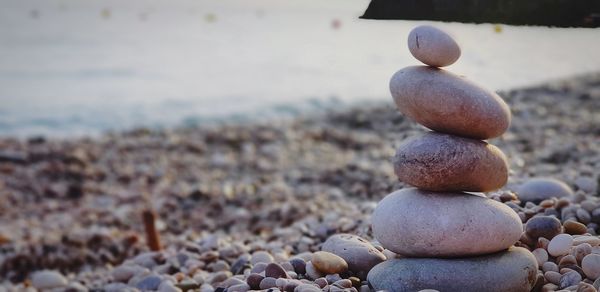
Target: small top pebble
pixel 433 46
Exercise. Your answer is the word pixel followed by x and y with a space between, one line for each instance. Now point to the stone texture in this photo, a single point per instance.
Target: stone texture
pixel 538 189
pixel 513 270
pixel 441 162
pixel 360 255
pixel 456 224
pixel 448 103
pixel 433 46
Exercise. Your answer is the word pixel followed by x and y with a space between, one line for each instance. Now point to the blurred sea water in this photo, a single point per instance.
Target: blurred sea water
pixel 72 67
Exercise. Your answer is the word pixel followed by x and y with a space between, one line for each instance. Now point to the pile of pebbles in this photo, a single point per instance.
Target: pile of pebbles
pixel 438 227
pixel 70 210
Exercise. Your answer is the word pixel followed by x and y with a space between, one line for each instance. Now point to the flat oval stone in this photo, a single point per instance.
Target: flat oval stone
pixel 329 263
pixel 360 255
pixel 442 162
pixel 433 46
pixel 513 270
pixel 538 189
pixel 448 103
pixel 455 224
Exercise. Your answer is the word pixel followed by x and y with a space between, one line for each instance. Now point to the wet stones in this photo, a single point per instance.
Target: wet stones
pixel 450 240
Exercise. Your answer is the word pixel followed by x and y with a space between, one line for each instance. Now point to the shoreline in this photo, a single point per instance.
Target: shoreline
pixel 284 187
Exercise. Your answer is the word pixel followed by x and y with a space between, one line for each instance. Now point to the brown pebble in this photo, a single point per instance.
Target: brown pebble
pixel 574 227
pixel 585 287
pixel 441 162
pixel 549 203
pixel 355 282
pixel 567 260
pixel 329 263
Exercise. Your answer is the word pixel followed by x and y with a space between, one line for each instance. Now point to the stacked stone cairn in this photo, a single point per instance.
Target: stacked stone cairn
pixel 448 239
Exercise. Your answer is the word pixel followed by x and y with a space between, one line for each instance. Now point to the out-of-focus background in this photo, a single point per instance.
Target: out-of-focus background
pixel 71 67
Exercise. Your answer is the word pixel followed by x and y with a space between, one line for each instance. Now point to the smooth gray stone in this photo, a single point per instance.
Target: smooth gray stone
pixel 513 270
pixel 538 189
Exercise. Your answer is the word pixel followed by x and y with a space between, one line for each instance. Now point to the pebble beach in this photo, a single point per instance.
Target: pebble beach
pixel 276 206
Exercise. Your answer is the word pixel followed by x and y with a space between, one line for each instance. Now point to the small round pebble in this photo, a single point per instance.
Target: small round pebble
pixel 48 280
pixel 591 266
pixel 433 46
pixel 543 226
pixel 541 255
pixel 560 245
pixel 329 263
pixel 574 227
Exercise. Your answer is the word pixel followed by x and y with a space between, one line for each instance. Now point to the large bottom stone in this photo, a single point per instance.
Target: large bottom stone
pixel 513 270
pixel 417 223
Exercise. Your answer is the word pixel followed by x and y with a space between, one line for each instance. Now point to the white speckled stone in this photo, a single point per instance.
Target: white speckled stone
pixel 433 46
pixel 448 103
pixel 417 223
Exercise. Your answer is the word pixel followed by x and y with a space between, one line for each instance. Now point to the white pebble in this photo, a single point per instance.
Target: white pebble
pixel 560 245
pixel 48 280
pixel 591 266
